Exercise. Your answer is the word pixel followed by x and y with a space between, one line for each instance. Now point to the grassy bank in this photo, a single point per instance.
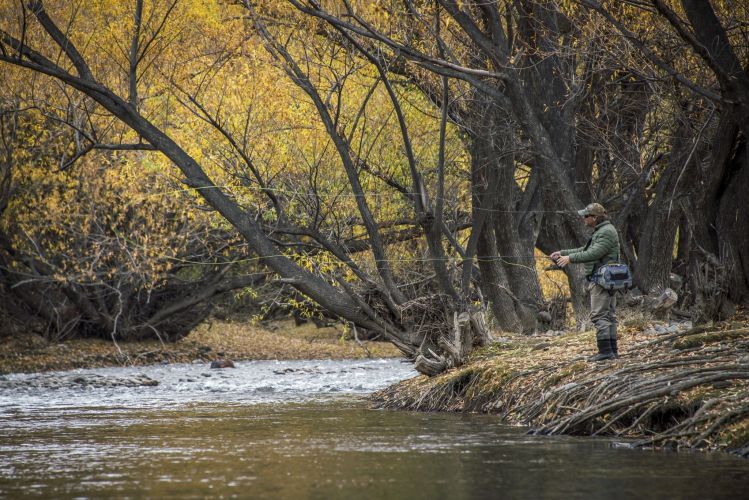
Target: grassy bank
pixel 211 340
pixel 688 389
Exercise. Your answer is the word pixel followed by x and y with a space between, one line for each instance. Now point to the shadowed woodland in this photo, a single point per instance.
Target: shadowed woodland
pixel 399 166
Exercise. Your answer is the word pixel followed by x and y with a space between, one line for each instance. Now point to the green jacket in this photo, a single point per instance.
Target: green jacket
pixel 601 249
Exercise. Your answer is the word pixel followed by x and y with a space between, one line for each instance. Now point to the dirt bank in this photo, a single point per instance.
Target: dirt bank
pixel 685 388
pixel 210 341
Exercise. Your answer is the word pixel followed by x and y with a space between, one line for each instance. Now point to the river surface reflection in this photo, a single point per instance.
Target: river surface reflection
pixel 310 438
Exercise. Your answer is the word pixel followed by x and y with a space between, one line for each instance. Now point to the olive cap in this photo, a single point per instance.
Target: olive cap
pixel 592 209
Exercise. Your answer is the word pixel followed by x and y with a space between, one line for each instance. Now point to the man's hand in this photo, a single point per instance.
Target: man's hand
pixel 555 255
pixel 563 261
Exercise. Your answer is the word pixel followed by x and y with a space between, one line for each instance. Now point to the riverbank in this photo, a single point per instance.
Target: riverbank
pixel 208 342
pixel 674 386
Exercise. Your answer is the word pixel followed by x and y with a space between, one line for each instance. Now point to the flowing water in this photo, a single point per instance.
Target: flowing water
pixel 301 429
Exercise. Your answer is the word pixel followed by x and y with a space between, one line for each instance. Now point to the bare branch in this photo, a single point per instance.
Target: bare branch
pixel 63 41
pixel 132 75
pixel 635 41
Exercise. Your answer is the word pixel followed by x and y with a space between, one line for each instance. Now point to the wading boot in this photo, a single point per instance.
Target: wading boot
pixel 604 351
pixel 612 336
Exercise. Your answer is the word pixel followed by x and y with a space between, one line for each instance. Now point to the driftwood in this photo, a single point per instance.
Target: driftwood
pixel 447 335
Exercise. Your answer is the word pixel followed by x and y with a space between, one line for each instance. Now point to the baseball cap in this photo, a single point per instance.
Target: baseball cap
pixel 592 209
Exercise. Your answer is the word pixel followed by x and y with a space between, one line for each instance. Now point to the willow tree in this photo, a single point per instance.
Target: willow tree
pixel 629 103
pixel 382 133
pixel 700 47
pixel 525 74
pixel 95 241
pixel 428 319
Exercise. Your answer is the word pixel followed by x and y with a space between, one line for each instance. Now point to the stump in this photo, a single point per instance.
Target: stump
pixel 468 330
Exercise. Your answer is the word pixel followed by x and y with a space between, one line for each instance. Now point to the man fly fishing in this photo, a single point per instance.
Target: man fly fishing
pixel 604 274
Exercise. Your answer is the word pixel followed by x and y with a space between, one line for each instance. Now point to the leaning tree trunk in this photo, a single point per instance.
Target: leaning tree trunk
pixel 716 245
pixel 535 96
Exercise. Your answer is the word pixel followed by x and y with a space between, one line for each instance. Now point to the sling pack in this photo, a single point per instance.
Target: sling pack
pixel 613 277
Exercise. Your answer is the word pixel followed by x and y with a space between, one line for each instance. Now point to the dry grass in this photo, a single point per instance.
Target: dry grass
pixel 284 340
pixel 209 341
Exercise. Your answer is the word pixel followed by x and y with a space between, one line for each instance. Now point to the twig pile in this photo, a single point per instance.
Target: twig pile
pixel 430 315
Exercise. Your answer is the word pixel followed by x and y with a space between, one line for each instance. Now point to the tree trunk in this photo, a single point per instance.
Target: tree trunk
pixel 517 260
pixel 494 285
pixel 658 231
pixel 731 224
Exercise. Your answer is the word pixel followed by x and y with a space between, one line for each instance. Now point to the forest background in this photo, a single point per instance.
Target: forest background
pixel 400 166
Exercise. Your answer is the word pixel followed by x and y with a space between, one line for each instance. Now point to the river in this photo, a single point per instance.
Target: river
pixel 302 429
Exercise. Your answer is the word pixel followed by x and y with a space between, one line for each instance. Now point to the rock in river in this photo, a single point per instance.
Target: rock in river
pixel 222 363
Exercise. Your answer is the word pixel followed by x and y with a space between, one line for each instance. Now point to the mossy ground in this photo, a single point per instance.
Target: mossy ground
pixel 209 341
